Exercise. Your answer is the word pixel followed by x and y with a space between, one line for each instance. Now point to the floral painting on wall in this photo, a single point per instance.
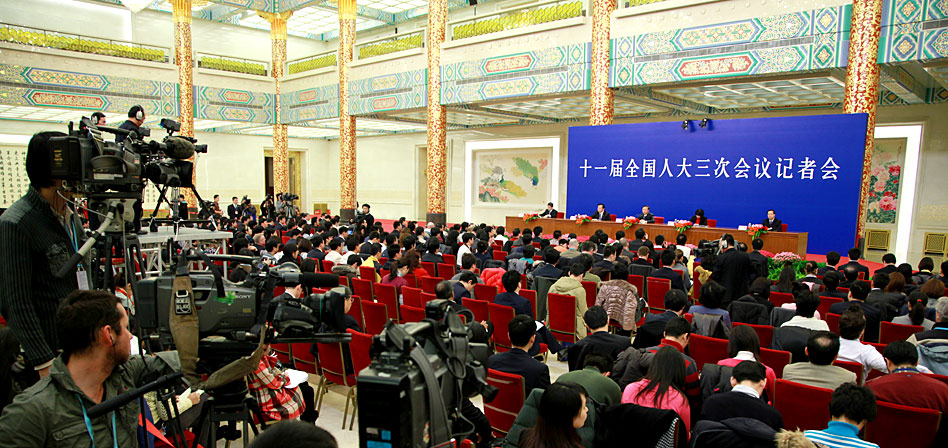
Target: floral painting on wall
pixel 513 176
pixel 883 200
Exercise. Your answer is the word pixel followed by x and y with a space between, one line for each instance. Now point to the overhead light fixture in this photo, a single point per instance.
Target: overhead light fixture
pixel 136 5
pixel 685 125
pixel 704 123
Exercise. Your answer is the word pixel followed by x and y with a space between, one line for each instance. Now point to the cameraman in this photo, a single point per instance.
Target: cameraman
pixel 365 216
pixel 39 232
pixel 136 118
pixel 95 365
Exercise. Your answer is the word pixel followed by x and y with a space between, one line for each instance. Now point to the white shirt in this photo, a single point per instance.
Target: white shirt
pixel 810 323
pixel 867 355
pixel 461 251
pixel 746 390
pixel 334 257
pixel 500 238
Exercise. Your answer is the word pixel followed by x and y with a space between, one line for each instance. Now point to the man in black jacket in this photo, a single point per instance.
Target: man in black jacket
pixel 830 283
pixel 599 339
pixel 523 333
pixel 651 332
pixel 772 224
pixel 600 214
pixel 832 259
pixel 854 255
pixel 646 216
pixel 748 382
pixel 858 293
pixel 732 270
pixel 758 260
pixel 889 261
pixel 550 212
pixel 668 258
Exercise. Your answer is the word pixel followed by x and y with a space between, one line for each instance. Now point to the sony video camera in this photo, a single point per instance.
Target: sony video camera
pixel 411 393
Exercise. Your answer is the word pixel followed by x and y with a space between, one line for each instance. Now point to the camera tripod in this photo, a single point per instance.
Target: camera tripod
pixel 175 218
pixel 229 404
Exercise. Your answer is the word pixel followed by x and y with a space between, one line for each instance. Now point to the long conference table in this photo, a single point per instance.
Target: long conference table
pixel 775 242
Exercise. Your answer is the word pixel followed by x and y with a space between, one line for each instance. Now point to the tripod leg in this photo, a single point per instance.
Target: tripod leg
pixel 203 420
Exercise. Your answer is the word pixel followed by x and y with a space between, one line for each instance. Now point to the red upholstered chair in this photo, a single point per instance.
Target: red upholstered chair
pixel 843 290
pixel 388 296
pixel 879 347
pixel 826 303
pixel 367 273
pixel 376 316
pixel 427 297
pixel 889 332
pixel 362 288
pixel 689 317
pixel 303 359
pixel 356 310
pixel 446 271
pixel 429 267
pixel 478 307
pixel 485 292
pixel 639 282
pixel 706 350
pixel 590 288
pixel 783 227
pixel 853 367
pixel 501 315
pixel 656 288
pixel 536 244
pixel 359 349
pixel 500 255
pixel 412 314
pixel 530 295
pixel 712 222
pixel 942 378
pixel 779 298
pixel 344 281
pixel 503 410
pixel 428 284
pixel 862 275
pixel 659 220
pixel 412 280
pixel 560 215
pixel 764 332
pixel 897 425
pixel 802 406
pixel 282 352
pixel 562 317
pixel 278 291
pixel 832 321
pixel 285 239
pixel 775 359
pixel 334 371
pixel 411 297
pixel 449 259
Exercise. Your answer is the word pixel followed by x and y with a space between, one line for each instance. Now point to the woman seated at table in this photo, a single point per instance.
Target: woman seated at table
pixel 699 219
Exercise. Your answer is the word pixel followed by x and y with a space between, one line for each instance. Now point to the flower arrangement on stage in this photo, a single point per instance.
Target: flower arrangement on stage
pixel 681 225
pixel 582 219
pixel 629 221
pixel 756 229
pixel 787 257
pixel 527 217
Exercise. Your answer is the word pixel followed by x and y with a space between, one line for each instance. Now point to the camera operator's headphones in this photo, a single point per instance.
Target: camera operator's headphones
pixel 138 111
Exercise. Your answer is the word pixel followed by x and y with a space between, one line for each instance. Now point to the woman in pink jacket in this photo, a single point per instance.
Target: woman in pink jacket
pixel 663 387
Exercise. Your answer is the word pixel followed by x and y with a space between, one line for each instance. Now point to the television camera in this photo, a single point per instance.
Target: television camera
pixel 411 393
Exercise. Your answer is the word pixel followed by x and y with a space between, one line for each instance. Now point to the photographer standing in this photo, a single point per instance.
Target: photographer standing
pixel 136 118
pixel 38 234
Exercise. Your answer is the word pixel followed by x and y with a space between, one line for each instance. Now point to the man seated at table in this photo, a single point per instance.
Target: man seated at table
pixel 772 224
pixel 646 216
pixel 600 213
pixel 550 212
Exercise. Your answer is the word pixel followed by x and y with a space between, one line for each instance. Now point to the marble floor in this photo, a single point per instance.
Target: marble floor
pixel 334 403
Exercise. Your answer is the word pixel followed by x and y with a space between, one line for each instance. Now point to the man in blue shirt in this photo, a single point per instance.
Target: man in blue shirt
pixel 851 407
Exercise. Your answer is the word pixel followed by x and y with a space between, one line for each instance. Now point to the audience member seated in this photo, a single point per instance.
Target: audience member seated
pixel 830 283
pixel 832 259
pixel 755 307
pixel 269 385
pixel 594 377
pixel 931 343
pixel 888 302
pixel 335 251
pixel 562 411
pixel 852 326
pixel 571 285
pixel 784 284
pixel 620 299
pixel 944 273
pixel 925 267
pixel 748 382
pixel 744 345
pixel 807 302
pixel 916 311
pixel 523 333
pixel 857 295
pixel 350 269
pixel 296 434
pixel 854 255
pixel 896 286
pixel 666 272
pixel 905 385
pixel 372 261
pixel 608 260
pixel 663 386
pixel 810 279
pixel 548 269
pixel 652 330
pixel 850 276
pixel 433 252
pixel 934 289
pixel 712 295
pixel 599 339
pixel 642 254
pixel 464 285
pixel 467 265
pixel 822 349
pixel 587 259
pixel 396 276
pixel 512 298
pixel 851 407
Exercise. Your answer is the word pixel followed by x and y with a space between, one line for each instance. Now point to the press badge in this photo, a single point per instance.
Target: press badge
pixel 82 280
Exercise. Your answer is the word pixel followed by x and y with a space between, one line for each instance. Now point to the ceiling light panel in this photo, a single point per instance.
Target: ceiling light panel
pixel 789 92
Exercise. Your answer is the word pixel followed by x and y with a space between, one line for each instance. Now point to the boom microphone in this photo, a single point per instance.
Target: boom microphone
pixel 178 148
pixel 122 399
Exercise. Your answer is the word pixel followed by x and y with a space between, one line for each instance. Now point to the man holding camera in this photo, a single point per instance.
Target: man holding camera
pixel 365 216
pixel 95 365
pixel 136 118
pixel 39 233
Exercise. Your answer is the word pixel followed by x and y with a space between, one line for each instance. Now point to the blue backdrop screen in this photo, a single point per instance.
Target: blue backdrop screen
pixel 807 168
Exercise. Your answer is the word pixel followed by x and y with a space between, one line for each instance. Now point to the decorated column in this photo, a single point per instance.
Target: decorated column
pixel 437 116
pixel 347 143
pixel 181 15
pixel 281 161
pixel 862 85
pixel 601 98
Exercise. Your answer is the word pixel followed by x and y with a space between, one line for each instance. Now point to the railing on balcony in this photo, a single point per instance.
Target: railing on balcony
pixel 308 63
pixel 379 47
pixel 229 64
pixel 543 12
pixel 84 44
pixel 631 3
